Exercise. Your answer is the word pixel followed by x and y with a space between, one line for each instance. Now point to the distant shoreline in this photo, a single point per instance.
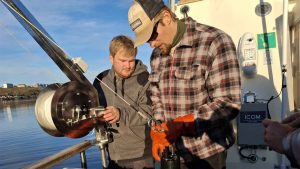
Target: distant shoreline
pixel 16 102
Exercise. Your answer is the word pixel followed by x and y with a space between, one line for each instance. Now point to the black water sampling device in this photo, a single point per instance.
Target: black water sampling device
pixel 169 159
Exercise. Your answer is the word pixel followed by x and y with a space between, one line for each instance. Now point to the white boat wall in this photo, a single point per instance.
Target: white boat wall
pixel 256 27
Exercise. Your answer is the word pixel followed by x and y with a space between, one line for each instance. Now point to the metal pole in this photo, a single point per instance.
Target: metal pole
pixel 83 160
pixel 102 138
pixel 103 156
pixel 284 70
pixel 172 5
pixel 61 156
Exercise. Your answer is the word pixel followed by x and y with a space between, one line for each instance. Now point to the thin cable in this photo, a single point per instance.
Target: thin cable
pixel 32 25
pixel 273 98
pixel 10 33
pixel 140 113
pixel 152 123
pixel 113 91
pixel 35 27
pixel 15 38
pixel 252 157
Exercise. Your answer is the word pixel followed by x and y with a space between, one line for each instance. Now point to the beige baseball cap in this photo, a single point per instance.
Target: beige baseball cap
pixel 141 18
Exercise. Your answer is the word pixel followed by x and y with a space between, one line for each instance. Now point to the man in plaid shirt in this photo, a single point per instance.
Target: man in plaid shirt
pixel 195 84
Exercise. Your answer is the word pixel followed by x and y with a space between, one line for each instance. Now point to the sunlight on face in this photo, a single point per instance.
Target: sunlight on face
pixel 163 40
pixel 123 63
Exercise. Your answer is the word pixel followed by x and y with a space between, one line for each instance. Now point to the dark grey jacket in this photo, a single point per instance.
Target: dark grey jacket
pixel 131 133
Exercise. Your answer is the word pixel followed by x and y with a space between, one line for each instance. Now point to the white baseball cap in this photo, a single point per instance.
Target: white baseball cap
pixel 141 18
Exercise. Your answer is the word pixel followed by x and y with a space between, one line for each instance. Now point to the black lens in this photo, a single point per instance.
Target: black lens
pixel 154 33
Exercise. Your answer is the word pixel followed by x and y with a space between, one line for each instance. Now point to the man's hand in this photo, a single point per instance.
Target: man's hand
pixel 111 114
pixel 274 134
pixel 172 130
pixel 292 120
pixel 181 126
pixel 159 143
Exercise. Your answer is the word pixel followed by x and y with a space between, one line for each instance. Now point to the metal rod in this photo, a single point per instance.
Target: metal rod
pixel 63 155
pixel 102 140
pixel 284 70
pixel 83 160
pixel 172 5
pixel 103 156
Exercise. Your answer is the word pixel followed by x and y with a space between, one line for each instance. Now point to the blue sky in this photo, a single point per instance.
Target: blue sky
pixel 82 28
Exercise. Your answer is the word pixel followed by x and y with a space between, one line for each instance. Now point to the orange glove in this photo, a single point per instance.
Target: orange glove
pixel 159 143
pixel 181 126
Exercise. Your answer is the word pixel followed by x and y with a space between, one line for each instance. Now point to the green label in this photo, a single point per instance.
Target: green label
pixel 266 40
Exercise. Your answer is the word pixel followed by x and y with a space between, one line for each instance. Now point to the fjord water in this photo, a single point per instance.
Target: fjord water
pixel 23 142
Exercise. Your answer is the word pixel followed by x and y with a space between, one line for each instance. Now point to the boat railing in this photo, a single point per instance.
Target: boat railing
pixel 65 154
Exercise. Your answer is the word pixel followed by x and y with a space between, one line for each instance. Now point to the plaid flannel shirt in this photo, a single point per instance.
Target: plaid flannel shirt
pixel 200 76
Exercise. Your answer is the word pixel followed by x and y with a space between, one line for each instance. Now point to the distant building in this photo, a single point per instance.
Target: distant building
pixel 21 85
pixel 35 85
pixel 8 85
pixel 38 85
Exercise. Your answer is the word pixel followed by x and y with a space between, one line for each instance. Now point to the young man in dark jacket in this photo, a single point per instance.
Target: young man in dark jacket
pixel 128 79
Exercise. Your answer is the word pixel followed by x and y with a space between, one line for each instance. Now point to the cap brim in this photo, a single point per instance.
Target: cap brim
pixel 144 36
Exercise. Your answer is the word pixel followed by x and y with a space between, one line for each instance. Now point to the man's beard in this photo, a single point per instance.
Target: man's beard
pixel 120 73
pixel 128 71
pixel 166 49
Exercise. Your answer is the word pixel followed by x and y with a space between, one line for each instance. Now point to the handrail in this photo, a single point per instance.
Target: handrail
pixel 62 155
